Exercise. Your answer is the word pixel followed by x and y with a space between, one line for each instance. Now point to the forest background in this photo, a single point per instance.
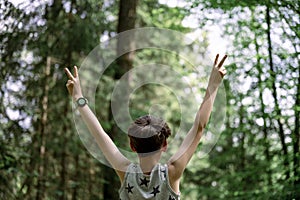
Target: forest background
pixel 257 154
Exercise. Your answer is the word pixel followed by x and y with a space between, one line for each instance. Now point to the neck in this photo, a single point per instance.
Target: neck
pixel 148 162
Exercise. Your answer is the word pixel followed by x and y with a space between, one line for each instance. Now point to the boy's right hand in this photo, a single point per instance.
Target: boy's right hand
pixel 73 84
pixel 218 72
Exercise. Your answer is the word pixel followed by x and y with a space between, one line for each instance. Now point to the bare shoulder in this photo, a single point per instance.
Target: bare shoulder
pixel 174 178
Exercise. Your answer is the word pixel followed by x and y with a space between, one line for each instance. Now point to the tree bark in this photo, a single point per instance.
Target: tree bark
pixel 76 177
pixel 126 21
pixel 42 168
pixel 63 161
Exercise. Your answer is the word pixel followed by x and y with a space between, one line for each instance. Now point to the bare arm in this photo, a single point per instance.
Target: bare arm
pixel 180 159
pixel 118 161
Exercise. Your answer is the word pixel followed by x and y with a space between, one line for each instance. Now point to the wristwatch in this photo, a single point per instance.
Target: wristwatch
pixel 81 101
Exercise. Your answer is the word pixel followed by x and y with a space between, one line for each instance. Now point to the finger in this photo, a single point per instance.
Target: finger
pixel 69 74
pixel 222 69
pixel 216 60
pixel 70 83
pixel 75 71
pixel 222 61
pixel 223 72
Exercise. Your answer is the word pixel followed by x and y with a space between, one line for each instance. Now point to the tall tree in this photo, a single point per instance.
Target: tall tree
pixel 126 21
pixel 273 72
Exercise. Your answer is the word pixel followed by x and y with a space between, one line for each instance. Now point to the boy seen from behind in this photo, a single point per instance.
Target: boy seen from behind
pixel 149 179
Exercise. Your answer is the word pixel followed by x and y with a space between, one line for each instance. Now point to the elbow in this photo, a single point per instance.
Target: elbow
pixel 201 126
pixel 200 123
pixel 200 130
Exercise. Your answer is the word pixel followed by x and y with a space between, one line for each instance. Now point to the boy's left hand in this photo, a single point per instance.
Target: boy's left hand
pixel 73 83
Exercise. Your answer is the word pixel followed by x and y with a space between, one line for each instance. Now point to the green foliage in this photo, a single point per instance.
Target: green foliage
pixel 248 161
pixel 151 13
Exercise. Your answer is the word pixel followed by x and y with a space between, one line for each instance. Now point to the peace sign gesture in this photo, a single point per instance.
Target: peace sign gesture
pixel 218 71
pixel 73 84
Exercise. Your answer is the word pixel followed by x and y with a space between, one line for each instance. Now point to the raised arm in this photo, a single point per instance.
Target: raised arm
pixel 180 159
pixel 118 161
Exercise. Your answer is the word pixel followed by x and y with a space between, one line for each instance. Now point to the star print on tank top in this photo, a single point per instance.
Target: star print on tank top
pixel 155 186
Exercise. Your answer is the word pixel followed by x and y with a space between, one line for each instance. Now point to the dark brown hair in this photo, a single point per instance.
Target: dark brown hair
pixel 148 134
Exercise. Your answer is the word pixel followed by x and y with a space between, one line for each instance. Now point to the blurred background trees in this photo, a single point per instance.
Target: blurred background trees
pixel 42 157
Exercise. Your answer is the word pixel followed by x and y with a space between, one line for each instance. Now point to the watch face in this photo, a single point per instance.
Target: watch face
pixel 81 102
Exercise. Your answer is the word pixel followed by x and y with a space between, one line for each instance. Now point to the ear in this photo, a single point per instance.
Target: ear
pixel 165 146
pixel 132 147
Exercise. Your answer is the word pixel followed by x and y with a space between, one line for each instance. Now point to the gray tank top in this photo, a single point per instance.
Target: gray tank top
pixel 137 186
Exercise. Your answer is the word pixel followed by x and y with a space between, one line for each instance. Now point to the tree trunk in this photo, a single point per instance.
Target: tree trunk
pixel 242 151
pixel 262 108
pixel 76 177
pixel 42 168
pixel 63 161
pixel 126 21
pixel 274 94
pixel 66 127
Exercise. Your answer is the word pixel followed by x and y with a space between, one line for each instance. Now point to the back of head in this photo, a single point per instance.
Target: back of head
pixel 148 134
